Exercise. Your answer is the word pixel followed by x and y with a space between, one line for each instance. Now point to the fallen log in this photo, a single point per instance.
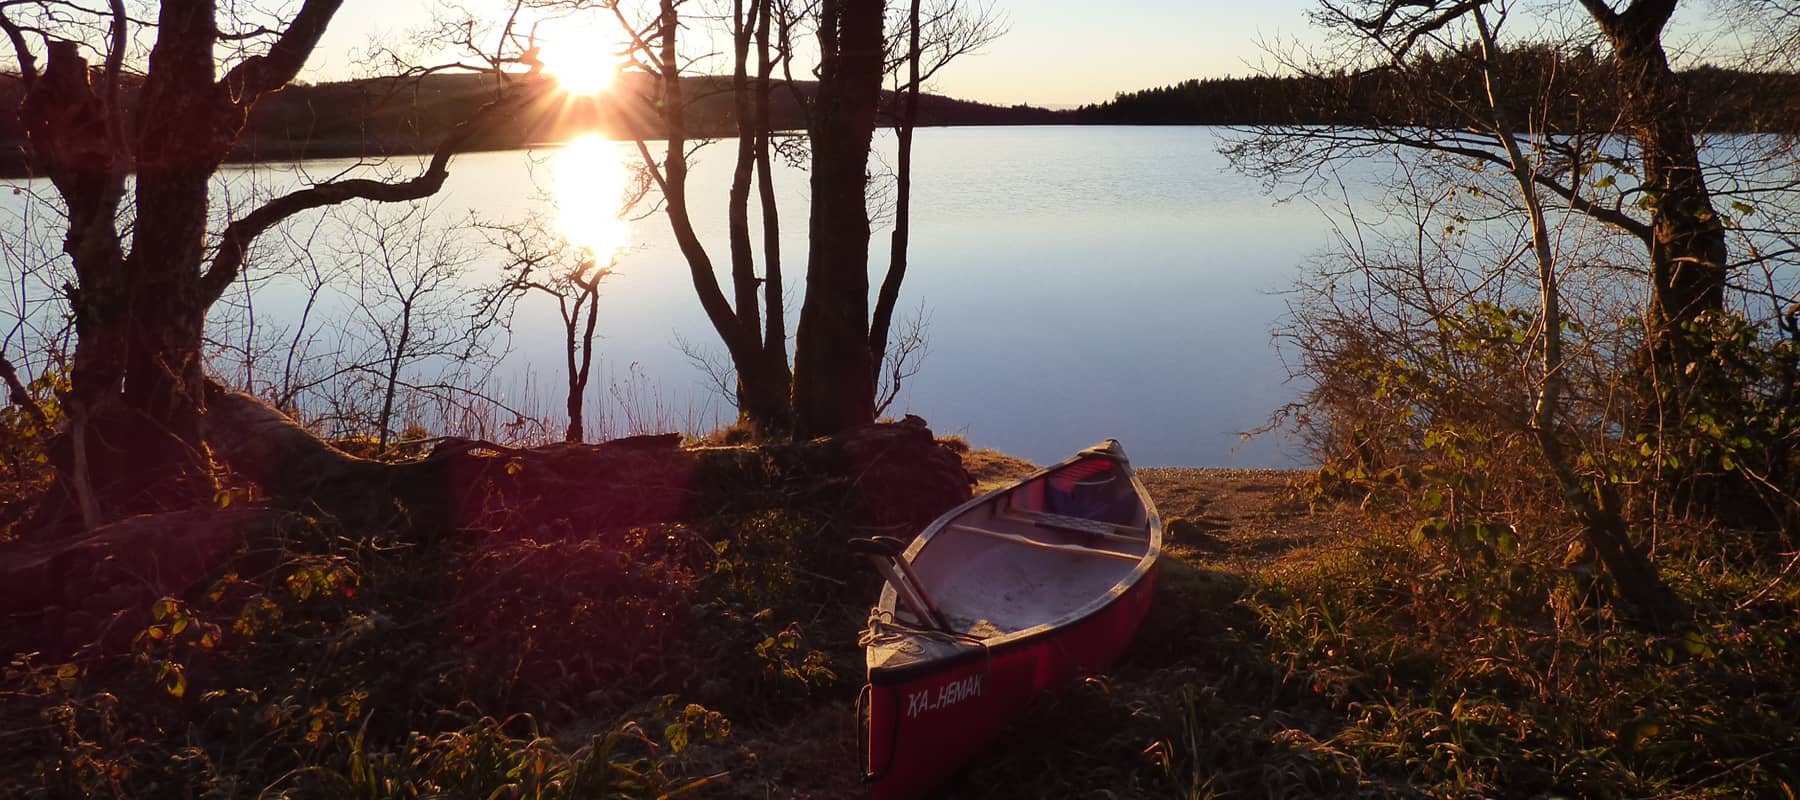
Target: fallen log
pixel 885 476
pixel 888 478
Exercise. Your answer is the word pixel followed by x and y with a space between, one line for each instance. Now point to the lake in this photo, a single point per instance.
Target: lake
pixel 1080 283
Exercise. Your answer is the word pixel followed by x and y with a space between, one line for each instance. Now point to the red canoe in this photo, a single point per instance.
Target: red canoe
pixel 1025 589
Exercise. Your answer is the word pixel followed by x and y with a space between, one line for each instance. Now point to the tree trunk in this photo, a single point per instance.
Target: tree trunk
pixel 1687 253
pixel 72 133
pixel 1654 604
pixel 776 375
pixel 743 260
pixel 581 353
pixel 1644 590
pixel 765 393
pixel 1687 247
pixel 881 325
pixel 136 385
pixel 759 383
pixel 391 383
pixel 574 433
pixel 834 380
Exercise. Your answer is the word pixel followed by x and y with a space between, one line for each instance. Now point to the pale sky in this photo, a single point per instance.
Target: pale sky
pixel 1080 51
pixel 1055 52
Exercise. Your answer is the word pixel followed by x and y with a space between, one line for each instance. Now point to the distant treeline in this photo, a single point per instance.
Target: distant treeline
pixel 393 116
pixel 1552 88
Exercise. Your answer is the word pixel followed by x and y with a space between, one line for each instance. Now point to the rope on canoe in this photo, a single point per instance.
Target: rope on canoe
pixel 884 627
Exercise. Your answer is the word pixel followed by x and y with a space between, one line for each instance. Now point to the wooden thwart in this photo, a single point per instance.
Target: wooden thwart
pixel 1092 527
pixel 1066 548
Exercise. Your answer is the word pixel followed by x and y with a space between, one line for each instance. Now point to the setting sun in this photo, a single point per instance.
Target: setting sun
pixel 582 58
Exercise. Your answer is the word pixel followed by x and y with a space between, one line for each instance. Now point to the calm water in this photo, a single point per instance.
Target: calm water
pixel 1080 283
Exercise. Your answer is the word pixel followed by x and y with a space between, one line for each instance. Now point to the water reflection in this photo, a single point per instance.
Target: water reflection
pixel 590 189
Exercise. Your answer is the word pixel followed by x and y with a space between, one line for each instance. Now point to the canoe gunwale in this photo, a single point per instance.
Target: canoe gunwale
pixel 1036 634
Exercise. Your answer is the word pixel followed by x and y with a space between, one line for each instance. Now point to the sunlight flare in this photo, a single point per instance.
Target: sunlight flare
pixel 583 58
pixel 590 187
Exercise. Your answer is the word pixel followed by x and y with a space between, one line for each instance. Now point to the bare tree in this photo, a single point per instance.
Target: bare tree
pixel 1604 180
pixel 758 352
pixel 541 263
pixel 1598 509
pixel 841 118
pixel 1682 232
pixel 265 352
pixel 407 304
pixel 904 359
pixel 142 289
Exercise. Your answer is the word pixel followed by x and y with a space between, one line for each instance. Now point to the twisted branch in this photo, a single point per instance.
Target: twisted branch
pixel 234 245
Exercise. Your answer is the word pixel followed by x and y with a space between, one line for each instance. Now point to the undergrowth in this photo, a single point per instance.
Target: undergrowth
pixel 25 433
pixel 1408 667
pixel 339 662
pixel 1465 645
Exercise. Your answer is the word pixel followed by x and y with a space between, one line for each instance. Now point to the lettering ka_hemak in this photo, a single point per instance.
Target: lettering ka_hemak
pixel 950 693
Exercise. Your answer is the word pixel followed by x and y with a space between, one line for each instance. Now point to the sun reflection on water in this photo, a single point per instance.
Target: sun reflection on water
pixel 590 187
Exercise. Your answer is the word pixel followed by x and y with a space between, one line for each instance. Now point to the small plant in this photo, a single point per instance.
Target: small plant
pixel 25 432
pixel 784 656
pixel 489 758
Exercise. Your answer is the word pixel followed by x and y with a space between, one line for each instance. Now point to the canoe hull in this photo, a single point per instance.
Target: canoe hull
pixel 926 725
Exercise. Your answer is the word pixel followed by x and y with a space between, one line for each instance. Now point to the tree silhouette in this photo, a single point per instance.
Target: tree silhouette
pixel 146 268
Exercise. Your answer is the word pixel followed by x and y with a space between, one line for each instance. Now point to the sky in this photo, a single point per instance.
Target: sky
pixel 1054 53
pixel 1061 52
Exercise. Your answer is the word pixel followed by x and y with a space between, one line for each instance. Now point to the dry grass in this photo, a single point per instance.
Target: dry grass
pixel 1245 520
pixel 993 469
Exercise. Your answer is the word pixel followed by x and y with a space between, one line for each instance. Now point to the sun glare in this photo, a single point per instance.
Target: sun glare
pixel 582 58
pixel 590 187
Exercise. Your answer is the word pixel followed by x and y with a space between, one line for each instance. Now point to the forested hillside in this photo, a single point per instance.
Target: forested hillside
pixel 391 116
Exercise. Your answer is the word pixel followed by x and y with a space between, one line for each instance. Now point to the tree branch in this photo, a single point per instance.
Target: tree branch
pixel 1377 137
pixel 889 294
pixel 1417 27
pixel 115 54
pixel 1610 216
pixel 1648 14
pixel 258 75
pixel 27 65
pixel 18 395
pixel 115 60
pixel 235 243
pixel 1601 12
